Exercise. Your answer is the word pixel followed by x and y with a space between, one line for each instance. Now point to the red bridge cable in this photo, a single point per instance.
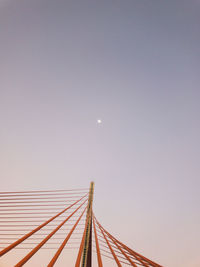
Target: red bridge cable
pixel 26 225
pixel 137 256
pixel 120 257
pixel 33 198
pixel 113 259
pixel 134 256
pixel 36 191
pixel 103 241
pixel 39 238
pixel 37 205
pixel 38 209
pixel 7 234
pixel 78 259
pixel 51 243
pixel 27 213
pixel 126 256
pixel 97 244
pixel 140 257
pixel 118 253
pixel 2 252
pixel 77 194
pixel 55 257
pixel 33 251
pixel 45 248
pixel 113 253
pixel 108 251
pixel 25 221
pixel 117 250
pixel 32 201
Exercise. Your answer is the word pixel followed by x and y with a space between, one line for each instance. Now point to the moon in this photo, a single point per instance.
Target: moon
pixel 99 121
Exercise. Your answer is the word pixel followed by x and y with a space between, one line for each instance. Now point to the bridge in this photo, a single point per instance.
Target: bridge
pixel 59 220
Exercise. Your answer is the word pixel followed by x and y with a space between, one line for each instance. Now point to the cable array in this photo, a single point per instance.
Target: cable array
pixel 58 220
pixel 30 221
pixel 108 246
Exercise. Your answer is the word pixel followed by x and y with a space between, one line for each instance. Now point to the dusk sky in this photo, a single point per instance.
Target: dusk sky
pixel 134 64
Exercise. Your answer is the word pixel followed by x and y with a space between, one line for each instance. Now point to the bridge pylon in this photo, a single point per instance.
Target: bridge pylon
pixel 87 250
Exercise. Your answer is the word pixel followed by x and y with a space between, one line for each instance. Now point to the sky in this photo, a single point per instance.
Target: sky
pixel 135 65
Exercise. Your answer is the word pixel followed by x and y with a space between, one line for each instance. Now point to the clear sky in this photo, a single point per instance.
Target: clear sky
pixel 135 65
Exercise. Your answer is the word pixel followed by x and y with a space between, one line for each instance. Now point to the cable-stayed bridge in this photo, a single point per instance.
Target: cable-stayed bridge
pixel 60 220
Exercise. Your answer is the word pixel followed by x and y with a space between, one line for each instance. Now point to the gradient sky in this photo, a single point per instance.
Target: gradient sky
pixel 135 65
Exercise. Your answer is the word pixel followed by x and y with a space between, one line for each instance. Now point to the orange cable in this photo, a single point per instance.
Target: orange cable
pixel 127 257
pixel 55 257
pixel 36 191
pixel 113 253
pixel 33 251
pixel 51 194
pixel 97 244
pixel 78 260
pixel 2 252
pixel 137 256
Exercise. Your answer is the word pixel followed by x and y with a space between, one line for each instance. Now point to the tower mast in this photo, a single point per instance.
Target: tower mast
pixel 87 250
